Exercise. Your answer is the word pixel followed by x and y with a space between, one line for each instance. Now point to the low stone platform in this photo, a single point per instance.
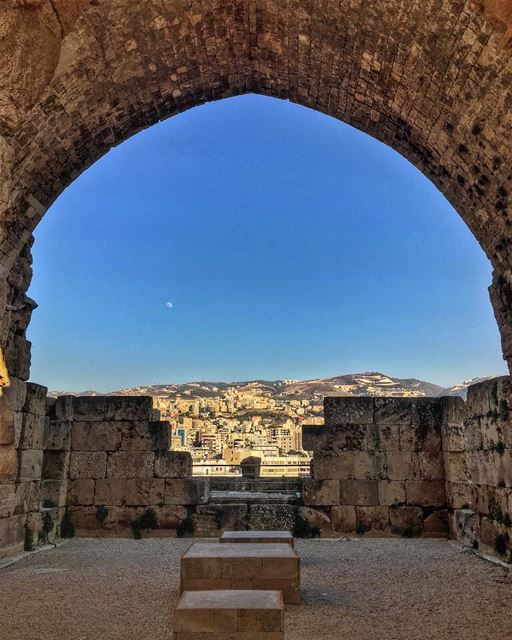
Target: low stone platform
pixel 233 614
pixel 211 566
pixel 251 537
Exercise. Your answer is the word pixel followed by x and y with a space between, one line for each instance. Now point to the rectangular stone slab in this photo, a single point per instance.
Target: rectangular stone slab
pixel 229 613
pixel 210 566
pixel 267 537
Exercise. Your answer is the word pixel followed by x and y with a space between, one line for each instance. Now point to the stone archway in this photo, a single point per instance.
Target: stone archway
pixel 430 78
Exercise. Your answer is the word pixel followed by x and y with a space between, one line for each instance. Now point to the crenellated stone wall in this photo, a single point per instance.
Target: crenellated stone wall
pixel 477 443
pixel 377 467
pixel 381 466
pixel 108 460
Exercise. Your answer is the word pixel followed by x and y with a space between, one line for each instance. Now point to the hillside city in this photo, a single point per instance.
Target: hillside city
pixel 220 423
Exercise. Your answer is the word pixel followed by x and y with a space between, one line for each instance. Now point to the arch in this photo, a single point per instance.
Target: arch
pixel 429 78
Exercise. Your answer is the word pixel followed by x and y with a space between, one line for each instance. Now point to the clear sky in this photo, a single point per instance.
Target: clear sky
pixel 289 245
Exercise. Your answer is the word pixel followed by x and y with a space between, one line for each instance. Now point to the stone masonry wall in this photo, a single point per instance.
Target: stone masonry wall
pixel 20 492
pixel 108 460
pixel 377 467
pixel 477 442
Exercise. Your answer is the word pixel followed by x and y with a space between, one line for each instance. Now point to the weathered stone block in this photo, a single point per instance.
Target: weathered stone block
pixel 170 516
pixel 54 491
pixel 131 464
pixel 436 524
pixel 57 434
pixel 32 431
pixel 393 411
pixel 369 465
pixel 456 467
pixel 391 492
pixel 7 429
pixel 35 399
pixel 28 496
pixel 7 500
pixel 63 408
pixel 459 495
pixel 431 465
pixel 144 491
pixel 402 465
pixel 95 436
pixel 12 535
pixel 453 437
pixel 406 520
pixel 481 398
pixel 254 615
pixel 8 462
pixel 372 518
pixel 343 518
pixel 427 493
pixel 348 410
pixel 15 393
pixel 453 410
pixel 465 527
pixel 81 492
pixel 248 566
pixel 30 465
pixel 321 492
pixel 472 434
pixel 110 491
pixel 173 464
pixel 271 516
pixel 316 518
pixel 384 437
pixel 333 465
pixel 84 518
pixel 160 435
pixel 104 408
pixel 504 468
pixel 55 465
pixel 185 491
pixel 87 464
pixel 359 492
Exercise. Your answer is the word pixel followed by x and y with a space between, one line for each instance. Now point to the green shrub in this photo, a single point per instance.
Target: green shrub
pixel 28 544
pixel 101 514
pixel 302 528
pixel 145 522
pixel 501 544
pixel 499 447
pixel 47 523
pixel 67 528
pixel 361 529
pixel 186 527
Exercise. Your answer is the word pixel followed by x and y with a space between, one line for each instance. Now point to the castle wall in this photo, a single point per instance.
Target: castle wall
pixel 477 443
pixel 108 460
pixel 377 468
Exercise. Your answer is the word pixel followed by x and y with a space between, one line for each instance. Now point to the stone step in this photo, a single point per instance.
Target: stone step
pixel 264 537
pixel 214 565
pixel 233 614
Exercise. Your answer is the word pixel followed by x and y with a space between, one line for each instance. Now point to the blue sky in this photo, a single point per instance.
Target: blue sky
pixel 289 244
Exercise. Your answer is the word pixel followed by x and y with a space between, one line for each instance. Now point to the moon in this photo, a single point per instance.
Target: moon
pixel 168 305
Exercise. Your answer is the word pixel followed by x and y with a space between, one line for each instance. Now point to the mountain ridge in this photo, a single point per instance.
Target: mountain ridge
pixel 371 383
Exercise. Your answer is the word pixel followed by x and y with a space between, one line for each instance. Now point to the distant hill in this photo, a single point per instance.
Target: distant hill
pixel 462 388
pixel 353 384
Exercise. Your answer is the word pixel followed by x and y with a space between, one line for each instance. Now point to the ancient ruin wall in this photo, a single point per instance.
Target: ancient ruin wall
pixel 477 442
pixel 108 460
pixel 377 467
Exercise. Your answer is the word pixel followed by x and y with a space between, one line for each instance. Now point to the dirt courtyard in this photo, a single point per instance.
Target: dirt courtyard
pixel 396 589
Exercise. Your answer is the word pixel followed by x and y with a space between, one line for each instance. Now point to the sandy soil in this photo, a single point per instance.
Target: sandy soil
pixel 359 590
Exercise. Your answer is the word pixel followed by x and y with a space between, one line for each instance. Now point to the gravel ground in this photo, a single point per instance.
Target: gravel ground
pixel 380 589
